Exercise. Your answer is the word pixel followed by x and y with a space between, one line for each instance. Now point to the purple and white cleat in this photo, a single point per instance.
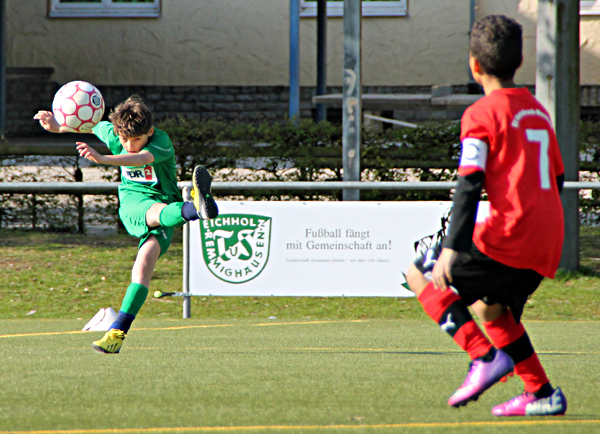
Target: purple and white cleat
pixel 528 404
pixel 481 377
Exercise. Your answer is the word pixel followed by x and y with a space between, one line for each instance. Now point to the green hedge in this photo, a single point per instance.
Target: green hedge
pixel 307 151
pixel 284 151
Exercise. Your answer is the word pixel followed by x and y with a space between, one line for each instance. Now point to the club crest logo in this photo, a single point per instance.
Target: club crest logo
pixel 96 100
pixel 236 247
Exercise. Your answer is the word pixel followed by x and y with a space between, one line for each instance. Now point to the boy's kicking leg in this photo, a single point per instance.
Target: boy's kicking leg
pixel 176 214
pixel 488 365
pixel 202 198
pixel 539 397
pixel 159 214
pixel 134 299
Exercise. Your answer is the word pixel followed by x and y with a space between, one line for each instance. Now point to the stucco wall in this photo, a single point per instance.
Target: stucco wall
pixel 235 42
pixel 245 43
pixel 525 11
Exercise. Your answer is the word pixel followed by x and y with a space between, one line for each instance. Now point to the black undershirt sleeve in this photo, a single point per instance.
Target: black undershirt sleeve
pixel 560 180
pixel 464 212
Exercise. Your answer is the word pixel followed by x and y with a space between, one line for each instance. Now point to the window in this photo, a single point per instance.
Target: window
pixel 335 8
pixel 104 8
pixel 589 7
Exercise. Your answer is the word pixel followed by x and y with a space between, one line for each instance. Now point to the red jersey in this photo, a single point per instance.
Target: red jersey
pixel 509 136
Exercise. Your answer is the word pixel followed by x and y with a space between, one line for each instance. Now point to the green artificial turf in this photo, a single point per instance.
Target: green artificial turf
pixel 371 376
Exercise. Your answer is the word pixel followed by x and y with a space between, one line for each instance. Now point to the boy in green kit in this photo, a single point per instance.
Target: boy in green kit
pixel 151 205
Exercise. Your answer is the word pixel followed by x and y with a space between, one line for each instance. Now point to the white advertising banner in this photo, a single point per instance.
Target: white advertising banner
pixel 313 249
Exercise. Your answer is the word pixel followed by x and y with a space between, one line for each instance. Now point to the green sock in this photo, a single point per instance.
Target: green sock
pixel 170 216
pixel 134 298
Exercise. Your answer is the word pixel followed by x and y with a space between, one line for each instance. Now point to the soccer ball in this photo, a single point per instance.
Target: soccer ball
pixel 79 106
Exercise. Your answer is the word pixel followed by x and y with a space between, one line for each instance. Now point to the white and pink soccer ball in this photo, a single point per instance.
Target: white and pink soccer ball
pixel 79 106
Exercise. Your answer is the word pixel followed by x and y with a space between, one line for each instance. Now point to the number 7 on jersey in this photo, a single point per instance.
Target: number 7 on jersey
pixel 542 137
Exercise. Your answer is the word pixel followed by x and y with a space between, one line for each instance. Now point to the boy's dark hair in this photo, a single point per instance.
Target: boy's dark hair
pixel 497 44
pixel 132 117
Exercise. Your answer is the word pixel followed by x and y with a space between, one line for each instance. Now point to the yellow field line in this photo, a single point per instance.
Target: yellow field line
pixel 20 335
pixel 180 327
pixel 187 327
pixel 357 350
pixel 305 322
pixel 513 423
pixel 277 324
pixel 426 350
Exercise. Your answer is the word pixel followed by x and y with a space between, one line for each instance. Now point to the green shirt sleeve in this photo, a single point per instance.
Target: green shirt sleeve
pixel 160 146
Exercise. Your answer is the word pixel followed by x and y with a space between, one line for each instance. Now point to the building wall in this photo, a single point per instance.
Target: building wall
pixel 230 58
pixel 245 43
pixel 233 42
pixel 27 91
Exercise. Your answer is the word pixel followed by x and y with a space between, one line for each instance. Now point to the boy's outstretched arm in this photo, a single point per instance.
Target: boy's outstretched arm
pixel 139 159
pixel 462 225
pixel 49 122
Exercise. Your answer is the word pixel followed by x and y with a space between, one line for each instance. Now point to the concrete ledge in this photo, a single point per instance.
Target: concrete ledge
pixel 455 100
pixel 14 71
pixel 50 145
pixel 375 101
pixel 399 101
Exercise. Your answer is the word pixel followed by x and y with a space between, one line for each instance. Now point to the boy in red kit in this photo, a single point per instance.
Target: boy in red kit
pixel 509 148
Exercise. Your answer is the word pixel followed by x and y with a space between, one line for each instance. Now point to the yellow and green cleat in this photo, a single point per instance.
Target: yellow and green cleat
pixel 203 201
pixel 111 342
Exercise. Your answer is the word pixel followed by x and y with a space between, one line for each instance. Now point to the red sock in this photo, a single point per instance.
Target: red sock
pixel 512 338
pixel 449 311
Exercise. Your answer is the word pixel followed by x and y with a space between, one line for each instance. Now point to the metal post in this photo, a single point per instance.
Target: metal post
pixel 2 68
pixel 557 87
pixel 472 18
pixel 78 175
pixel 352 92
pixel 294 59
pixel 187 300
pixel 321 57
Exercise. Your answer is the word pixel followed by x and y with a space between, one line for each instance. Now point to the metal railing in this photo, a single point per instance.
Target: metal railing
pixel 110 188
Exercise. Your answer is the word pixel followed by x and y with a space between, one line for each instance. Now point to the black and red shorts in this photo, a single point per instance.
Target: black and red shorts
pixel 479 277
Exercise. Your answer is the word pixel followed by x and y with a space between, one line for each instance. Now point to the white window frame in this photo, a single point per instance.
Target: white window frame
pixel 397 8
pixel 589 7
pixel 107 8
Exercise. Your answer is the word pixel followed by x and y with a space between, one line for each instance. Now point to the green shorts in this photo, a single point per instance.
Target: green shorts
pixel 132 210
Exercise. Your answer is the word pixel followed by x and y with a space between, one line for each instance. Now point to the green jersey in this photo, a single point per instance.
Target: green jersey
pixel 158 176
